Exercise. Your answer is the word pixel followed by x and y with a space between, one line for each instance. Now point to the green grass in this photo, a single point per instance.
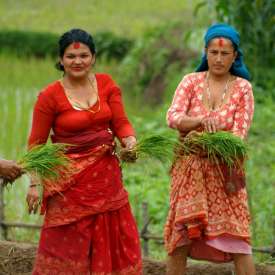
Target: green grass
pixel 120 16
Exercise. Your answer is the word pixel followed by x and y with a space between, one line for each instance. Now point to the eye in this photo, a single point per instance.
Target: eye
pixel 213 52
pixel 70 56
pixel 225 53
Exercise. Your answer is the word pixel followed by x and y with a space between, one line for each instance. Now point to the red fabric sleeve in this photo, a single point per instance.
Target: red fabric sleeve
pixel 244 113
pixel 43 117
pixel 120 123
pixel 181 102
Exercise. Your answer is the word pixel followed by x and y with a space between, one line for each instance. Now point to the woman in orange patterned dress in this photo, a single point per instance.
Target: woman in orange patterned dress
pixel 206 220
pixel 88 228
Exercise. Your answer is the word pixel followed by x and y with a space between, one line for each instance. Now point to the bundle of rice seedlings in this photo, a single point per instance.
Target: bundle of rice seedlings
pixel 221 147
pixel 152 146
pixel 47 161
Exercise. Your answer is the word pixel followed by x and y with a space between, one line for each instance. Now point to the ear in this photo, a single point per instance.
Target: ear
pixel 93 59
pixel 205 51
pixel 235 55
pixel 60 61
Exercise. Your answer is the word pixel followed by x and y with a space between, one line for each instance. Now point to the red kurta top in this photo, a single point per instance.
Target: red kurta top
pixel 96 185
pixel 54 111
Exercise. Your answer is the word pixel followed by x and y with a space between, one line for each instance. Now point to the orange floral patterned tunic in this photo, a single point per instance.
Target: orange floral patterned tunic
pixel 202 215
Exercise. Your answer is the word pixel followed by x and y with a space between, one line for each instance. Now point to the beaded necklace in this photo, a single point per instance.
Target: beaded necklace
pixel 208 92
pixel 77 105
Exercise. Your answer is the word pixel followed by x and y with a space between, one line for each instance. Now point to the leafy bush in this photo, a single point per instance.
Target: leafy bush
pixel 24 43
pixel 27 43
pixel 153 59
pixel 112 46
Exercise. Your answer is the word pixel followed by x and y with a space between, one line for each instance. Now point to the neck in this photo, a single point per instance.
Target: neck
pixel 219 78
pixel 77 81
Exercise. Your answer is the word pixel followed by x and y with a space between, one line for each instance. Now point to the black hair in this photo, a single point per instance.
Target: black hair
pixel 71 36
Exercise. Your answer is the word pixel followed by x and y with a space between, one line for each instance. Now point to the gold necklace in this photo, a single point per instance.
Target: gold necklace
pixel 225 89
pixel 78 105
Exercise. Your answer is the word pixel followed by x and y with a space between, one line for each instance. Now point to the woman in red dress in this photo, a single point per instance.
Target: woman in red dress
pixel 209 217
pixel 88 226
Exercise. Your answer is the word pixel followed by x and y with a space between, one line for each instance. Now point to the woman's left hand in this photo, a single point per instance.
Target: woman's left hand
pixel 128 152
pixel 211 124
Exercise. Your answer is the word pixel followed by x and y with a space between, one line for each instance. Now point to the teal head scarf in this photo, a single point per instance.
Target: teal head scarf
pixel 238 68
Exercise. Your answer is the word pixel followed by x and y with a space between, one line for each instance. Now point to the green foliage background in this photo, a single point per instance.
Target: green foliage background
pixel 158 31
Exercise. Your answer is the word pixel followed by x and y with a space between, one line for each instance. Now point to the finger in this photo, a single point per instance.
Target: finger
pixel 32 206
pixel 208 127
pixel 7 177
pixel 11 174
pixel 213 126
pixel 35 208
pixel 17 171
pixel 30 201
pixel 216 125
pixel 28 198
pixel 204 125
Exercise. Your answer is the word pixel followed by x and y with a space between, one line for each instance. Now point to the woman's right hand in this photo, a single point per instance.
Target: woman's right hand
pixel 10 170
pixel 33 199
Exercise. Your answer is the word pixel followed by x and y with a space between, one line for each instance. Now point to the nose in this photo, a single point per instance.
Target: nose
pixel 219 57
pixel 77 60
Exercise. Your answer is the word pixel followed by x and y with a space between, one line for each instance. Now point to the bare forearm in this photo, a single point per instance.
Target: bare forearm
pixel 188 123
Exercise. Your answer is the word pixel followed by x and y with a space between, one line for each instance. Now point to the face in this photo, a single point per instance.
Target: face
pixel 220 55
pixel 77 60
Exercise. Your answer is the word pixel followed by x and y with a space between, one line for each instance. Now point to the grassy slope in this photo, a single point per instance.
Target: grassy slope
pixel 120 16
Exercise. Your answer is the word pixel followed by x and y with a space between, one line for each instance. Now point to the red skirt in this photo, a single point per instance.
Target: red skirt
pixel 88 226
pixel 102 244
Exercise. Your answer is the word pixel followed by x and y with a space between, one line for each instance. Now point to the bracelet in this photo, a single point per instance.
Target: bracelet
pixel 33 185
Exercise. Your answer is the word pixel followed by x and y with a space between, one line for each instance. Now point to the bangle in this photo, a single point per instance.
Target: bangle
pixel 33 185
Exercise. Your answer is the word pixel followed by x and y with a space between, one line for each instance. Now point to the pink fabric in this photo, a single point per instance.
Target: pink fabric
pixel 218 249
pixel 230 245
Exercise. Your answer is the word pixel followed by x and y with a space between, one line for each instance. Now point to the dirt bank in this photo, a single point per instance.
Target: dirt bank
pixel 17 258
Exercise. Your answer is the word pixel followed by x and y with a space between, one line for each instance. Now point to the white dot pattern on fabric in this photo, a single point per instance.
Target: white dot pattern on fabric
pixel 223 113
pixel 235 115
pixel 181 92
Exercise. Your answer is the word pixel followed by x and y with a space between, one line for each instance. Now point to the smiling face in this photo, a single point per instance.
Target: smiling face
pixel 77 60
pixel 220 56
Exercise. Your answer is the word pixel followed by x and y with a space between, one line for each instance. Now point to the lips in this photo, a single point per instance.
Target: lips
pixel 218 66
pixel 77 69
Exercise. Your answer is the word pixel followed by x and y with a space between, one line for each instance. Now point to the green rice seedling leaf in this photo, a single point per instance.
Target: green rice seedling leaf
pixel 156 147
pixel 224 146
pixel 47 161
